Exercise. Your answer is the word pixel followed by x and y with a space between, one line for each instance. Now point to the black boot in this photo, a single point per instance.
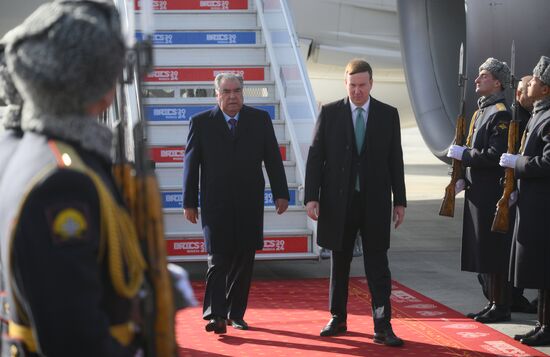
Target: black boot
pixel 473 315
pixel 497 313
pixel 531 332
pixel 540 338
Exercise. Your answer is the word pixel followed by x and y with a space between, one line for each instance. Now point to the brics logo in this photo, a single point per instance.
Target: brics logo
pixel 274 245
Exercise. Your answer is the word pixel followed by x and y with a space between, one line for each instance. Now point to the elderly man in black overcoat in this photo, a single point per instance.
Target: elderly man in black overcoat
pixel 354 166
pixel 530 266
pixel 225 150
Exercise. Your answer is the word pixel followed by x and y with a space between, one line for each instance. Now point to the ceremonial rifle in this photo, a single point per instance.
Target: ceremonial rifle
pixel 448 205
pixel 501 222
pixel 139 186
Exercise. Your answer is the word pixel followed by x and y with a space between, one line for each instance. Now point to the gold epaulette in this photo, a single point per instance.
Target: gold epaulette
pixel 501 107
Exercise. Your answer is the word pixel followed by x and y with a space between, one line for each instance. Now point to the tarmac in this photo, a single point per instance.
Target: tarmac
pixel 425 250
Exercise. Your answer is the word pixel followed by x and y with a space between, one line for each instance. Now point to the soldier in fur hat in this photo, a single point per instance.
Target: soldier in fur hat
pixel 62 217
pixel 529 266
pixel 484 251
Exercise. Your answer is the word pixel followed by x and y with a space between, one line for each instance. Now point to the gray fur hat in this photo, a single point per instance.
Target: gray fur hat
pixel 498 69
pixel 9 94
pixel 66 55
pixel 542 70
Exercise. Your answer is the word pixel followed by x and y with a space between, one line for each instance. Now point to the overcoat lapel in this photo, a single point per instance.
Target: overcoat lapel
pixel 348 120
pixel 371 128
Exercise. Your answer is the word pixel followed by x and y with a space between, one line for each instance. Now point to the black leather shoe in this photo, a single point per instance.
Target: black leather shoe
pixel 473 315
pixel 239 324
pixel 533 331
pixel 334 327
pixel 495 314
pixel 540 338
pixel 388 338
pixel 523 305
pixel 216 324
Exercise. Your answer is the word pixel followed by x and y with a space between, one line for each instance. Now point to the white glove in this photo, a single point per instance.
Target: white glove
pixel 508 160
pixel 456 151
pixel 460 186
pixel 513 198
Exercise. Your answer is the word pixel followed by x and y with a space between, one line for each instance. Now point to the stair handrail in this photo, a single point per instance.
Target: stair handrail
pixel 311 103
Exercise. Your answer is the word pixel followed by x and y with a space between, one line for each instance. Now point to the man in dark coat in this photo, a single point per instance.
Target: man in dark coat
pixel 226 147
pixel 351 175
pixel 63 300
pixel 529 265
pixel 484 251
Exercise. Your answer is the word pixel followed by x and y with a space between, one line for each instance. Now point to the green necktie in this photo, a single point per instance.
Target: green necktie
pixel 359 138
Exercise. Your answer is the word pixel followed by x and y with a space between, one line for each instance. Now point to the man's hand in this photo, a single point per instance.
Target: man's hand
pixel 312 208
pixel 398 215
pixel 460 186
pixel 456 151
pixel 508 160
pixel 191 214
pixel 281 204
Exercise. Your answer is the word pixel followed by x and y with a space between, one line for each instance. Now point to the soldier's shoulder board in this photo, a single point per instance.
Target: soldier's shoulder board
pixel 501 107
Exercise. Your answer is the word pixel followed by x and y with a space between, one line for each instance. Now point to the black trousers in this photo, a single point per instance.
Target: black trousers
pixel 227 284
pixel 376 269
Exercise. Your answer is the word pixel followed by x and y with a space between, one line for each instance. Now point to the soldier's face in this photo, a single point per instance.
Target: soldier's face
pixel 537 89
pixel 358 86
pixel 486 83
pixel 230 96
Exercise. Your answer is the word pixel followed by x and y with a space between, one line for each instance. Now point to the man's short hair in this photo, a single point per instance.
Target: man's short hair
pixel 358 65
pixel 227 76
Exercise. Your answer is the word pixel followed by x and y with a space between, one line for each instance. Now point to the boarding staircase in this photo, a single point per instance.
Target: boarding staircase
pixel 193 41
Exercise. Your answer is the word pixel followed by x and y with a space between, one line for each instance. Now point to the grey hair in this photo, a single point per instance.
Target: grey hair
pixel 228 76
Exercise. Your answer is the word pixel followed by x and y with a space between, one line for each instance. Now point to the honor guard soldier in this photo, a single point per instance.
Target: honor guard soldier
pixel 529 265
pixel 11 118
pixel 484 251
pixel 70 253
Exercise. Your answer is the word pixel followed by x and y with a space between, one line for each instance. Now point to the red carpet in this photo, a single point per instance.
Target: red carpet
pixel 286 316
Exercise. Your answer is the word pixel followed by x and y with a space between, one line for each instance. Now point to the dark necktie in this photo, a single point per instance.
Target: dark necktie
pixel 233 126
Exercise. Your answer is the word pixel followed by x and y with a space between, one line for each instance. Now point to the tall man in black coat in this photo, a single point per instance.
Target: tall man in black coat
pixel 226 147
pixel 529 265
pixel 484 251
pixel 351 175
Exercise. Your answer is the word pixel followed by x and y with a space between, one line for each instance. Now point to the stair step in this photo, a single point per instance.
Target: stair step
pixel 166 133
pixel 177 75
pixel 171 174
pixel 198 91
pixel 278 244
pixel 180 114
pixel 173 198
pixel 294 217
pixel 200 20
pixel 230 55
pixel 205 37
pixel 206 5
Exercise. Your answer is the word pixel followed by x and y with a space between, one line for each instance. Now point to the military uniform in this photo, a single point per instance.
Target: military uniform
pixel 70 255
pixel 484 251
pixel 529 266
pixel 59 271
